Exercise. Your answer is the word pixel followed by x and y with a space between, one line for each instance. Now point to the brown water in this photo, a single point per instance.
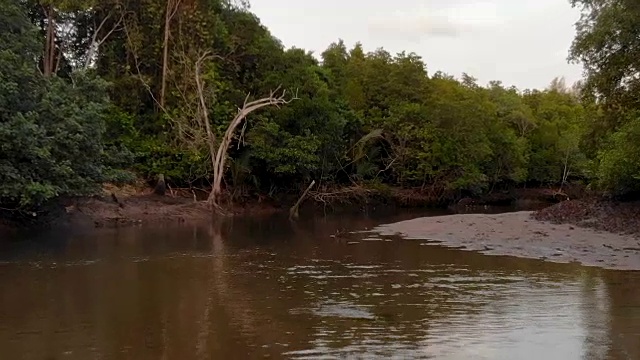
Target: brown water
pixel 255 289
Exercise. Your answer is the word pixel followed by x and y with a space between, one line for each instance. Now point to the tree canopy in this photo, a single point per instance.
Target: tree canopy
pixel 608 44
pixel 98 90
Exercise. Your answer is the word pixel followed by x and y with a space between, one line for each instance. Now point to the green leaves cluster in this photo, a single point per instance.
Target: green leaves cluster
pixel 360 117
pixel 608 44
pixel 50 130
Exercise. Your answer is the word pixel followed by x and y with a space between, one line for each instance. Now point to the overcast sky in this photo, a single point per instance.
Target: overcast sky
pixel 522 43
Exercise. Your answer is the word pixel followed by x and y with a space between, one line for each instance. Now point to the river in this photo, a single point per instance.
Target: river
pixel 266 288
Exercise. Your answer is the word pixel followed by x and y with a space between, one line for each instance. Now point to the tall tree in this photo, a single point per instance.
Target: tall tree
pixel 608 44
pixel 172 8
pixel 50 130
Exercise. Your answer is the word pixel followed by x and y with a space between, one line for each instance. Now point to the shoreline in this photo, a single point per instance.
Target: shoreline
pixel 593 232
pixel 138 205
pixel 519 234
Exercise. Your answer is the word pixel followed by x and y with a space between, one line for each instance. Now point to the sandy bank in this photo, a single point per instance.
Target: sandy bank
pixel 519 234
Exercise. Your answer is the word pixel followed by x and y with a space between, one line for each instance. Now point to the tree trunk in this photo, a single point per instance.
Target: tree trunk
pixel 96 41
pixel 565 171
pixel 219 156
pixel 293 212
pixel 48 58
pixel 161 186
pixel 172 7
pixel 211 137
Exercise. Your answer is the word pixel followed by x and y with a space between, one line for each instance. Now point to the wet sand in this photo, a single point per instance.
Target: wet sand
pixel 519 234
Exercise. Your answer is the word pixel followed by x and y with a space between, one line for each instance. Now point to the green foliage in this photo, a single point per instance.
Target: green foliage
pixel 619 170
pixel 608 45
pixel 50 131
pixel 560 124
pixel 374 118
pixel 153 156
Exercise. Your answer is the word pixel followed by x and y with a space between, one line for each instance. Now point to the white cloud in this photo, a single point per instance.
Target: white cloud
pixel 412 25
pixel 434 21
pixel 522 43
pixel 475 14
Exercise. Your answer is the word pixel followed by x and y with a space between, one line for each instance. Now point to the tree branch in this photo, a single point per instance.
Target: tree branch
pixel 220 155
pixel 203 109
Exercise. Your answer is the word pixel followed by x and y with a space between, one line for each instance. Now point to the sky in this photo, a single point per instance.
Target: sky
pixel 519 42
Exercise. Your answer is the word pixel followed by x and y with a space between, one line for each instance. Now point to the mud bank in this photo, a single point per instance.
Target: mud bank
pixel 132 210
pixel 611 216
pixel 136 204
pixel 148 210
pixel 519 234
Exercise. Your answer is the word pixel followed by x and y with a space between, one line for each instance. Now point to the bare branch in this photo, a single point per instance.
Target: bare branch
pixel 113 29
pixel 172 9
pixel 387 167
pixel 203 108
pixel 137 64
pixel 96 43
pixel 221 154
pixel 97 30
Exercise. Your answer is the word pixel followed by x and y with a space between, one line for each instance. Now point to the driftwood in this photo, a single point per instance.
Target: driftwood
pixel 344 195
pixel 293 212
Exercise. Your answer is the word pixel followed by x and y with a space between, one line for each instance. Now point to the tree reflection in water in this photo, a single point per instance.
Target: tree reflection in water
pixel 249 288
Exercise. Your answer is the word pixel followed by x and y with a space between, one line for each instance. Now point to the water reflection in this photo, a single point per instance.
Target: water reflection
pixel 251 289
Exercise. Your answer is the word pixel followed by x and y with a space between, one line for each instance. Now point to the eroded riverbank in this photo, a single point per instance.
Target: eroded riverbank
pixel 128 205
pixel 520 234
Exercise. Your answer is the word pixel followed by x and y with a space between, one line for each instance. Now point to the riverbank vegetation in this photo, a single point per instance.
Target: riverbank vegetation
pixel 198 91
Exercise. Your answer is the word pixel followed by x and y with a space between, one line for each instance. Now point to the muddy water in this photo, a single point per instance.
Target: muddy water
pixel 264 288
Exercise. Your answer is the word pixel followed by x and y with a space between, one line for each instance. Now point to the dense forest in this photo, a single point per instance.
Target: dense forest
pixel 96 91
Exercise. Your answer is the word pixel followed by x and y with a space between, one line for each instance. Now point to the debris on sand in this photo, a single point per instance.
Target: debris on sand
pixel 614 217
